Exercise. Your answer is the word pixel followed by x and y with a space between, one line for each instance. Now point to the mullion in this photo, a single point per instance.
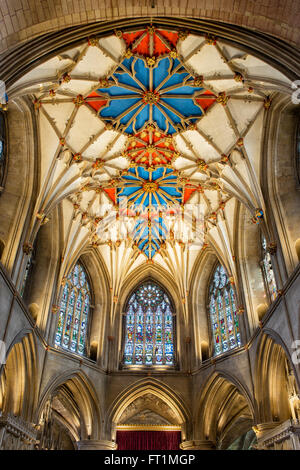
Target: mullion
pixel 163 338
pixel 232 319
pixel 219 322
pixel 80 320
pixel 70 290
pixel 134 335
pixel 225 316
pixel 150 318
pixel 73 315
pixel 233 315
pixel 144 337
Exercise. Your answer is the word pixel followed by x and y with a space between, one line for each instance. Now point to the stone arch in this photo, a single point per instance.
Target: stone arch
pixel 201 276
pixel 142 281
pixel 155 273
pixel 98 281
pixel 19 377
pixel 160 285
pixel 249 249
pixel 97 272
pixel 38 291
pixel 280 184
pixel 239 28
pixel 18 338
pixel 83 414
pixel 157 389
pixel 273 365
pixel 16 200
pixel 136 277
pixel 223 404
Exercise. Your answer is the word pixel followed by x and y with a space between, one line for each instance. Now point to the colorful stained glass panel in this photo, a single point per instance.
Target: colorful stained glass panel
pixel 149 335
pixel 73 313
pixel 223 315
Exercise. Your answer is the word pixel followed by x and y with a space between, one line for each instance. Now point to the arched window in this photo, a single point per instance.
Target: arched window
pixel 268 272
pixel 74 311
pixel 149 327
pixel 223 313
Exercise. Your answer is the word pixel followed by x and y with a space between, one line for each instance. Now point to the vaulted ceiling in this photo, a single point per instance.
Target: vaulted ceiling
pixel 165 120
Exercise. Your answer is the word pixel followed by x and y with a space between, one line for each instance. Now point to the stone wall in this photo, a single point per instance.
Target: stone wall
pixel 245 374
pixel 21 20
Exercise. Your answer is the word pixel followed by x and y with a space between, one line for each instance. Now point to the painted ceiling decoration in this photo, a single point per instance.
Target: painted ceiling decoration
pixel 161 92
pixel 155 193
pixel 151 41
pixel 151 148
pixel 163 117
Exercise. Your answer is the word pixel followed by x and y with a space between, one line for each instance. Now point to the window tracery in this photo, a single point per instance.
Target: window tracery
pixel 223 313
pixel 74 311
pixel 149 327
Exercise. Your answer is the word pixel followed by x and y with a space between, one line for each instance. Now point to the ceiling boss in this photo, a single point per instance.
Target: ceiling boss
pixel 151 85
pixel 150 96
pixel 161 118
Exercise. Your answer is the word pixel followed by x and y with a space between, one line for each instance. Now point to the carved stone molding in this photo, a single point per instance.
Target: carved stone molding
pixel 269 436
pixel 96 445
pixel 197 445
pixel 15 433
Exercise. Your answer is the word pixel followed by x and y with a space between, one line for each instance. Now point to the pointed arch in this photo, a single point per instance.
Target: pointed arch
pixel 74 389
pixel 98 324
pixel 141 274
pixel 72 327
pixel 157 388
pixel 223 316
pixel 280 185
pixel 273 371
pixel 251 276
pixel 200 276
pixel 224 402
pixel 149 327
pixel 19 378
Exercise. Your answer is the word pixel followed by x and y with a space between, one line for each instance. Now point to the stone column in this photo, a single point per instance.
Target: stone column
pixel 197 445
pixel 93 444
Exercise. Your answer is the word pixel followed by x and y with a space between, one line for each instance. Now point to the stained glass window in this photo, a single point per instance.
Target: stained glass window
pixel 149 327
pixel 223 313
pixel 74 310
pixel 268 272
